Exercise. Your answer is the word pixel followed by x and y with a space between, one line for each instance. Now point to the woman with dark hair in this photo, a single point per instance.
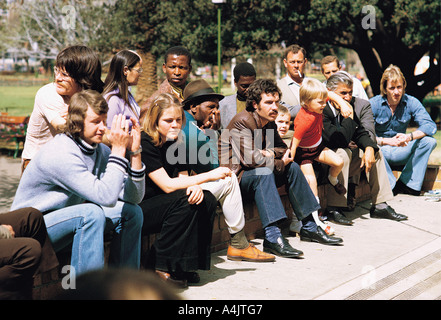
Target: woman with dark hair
pixel 76 68
pixel 125 69
pixel 84 189
pixel 175 205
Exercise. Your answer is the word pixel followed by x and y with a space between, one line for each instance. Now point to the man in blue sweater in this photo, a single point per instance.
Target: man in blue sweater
pixel 84 189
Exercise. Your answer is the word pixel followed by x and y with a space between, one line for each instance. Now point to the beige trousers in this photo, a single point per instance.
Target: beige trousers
pixel 377 178
pixel 227 192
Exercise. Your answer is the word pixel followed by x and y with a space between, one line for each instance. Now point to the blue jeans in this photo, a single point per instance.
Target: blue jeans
pixel 414 157
pixel 83 227
pixel 260 185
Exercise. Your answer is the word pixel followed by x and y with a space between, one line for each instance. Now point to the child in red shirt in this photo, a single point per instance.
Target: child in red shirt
pixel 307 144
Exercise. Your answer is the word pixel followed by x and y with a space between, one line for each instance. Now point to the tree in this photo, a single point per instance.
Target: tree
pixel 134 24
pixel 48 26
pixel 152 26
pixel 383 32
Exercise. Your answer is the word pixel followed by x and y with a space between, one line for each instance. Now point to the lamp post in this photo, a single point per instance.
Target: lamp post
pixel 219 64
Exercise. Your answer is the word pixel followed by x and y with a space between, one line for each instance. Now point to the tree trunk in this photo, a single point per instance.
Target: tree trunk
pixel 148 81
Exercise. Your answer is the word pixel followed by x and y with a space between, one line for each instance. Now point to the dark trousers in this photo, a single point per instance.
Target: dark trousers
pixel 28 253
pixel 185 231
pixel 260 185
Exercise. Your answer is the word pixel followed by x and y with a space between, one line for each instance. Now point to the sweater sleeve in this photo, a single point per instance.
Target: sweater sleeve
pixel 74 176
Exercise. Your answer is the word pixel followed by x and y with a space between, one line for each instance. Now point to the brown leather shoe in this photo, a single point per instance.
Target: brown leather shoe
pixel 251 254
pixel 339 188
pixel 167 277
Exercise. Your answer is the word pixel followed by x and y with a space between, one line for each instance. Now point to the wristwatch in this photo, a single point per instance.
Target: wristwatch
pixel 133 153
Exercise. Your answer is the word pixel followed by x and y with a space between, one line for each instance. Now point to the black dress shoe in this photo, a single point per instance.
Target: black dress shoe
pixel 400 187
pixel 319 236
pixel 387 213
pixel 282 248
pixel 352 202
pixel 338 217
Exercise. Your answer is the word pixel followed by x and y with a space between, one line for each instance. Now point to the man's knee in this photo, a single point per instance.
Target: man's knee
pixel 262 175
pixel 93 213
pixel 293 171
pixel 28 253
pixel 210 200
pixel 428 143
pixel 132 212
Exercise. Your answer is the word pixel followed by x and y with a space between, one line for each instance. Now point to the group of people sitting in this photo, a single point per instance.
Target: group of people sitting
pixel 96 164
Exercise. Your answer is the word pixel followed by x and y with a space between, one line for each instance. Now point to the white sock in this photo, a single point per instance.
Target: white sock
pixel 333 180
pixel 325 227
pixel 315 215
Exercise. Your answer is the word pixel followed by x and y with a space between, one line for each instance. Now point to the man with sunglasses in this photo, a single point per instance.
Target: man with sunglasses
pixel 76 68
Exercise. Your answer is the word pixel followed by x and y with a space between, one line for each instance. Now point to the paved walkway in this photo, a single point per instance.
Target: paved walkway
pixel 380 259
pixel 10 172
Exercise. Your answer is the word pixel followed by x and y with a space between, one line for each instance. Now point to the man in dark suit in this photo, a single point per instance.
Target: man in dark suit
pixel 353 139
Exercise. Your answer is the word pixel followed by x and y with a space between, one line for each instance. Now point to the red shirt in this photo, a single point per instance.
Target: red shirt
pixel 308 127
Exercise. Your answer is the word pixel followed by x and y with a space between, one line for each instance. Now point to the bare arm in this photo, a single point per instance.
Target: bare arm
pixel 161 178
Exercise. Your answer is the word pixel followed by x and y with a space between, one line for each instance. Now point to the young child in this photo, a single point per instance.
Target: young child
pixel 283 122
pixel 307 144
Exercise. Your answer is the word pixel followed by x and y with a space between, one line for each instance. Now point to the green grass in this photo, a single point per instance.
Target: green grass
pixel 17 101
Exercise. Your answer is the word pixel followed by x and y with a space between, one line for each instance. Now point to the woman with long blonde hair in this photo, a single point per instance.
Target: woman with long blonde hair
pixel 174 205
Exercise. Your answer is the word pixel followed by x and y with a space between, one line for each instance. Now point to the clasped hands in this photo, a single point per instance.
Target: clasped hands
pixel 121 138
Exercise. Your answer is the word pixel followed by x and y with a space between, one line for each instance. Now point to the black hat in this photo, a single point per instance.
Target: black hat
pixel 197 89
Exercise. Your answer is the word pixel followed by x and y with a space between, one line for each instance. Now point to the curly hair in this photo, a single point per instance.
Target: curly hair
pixel 255 90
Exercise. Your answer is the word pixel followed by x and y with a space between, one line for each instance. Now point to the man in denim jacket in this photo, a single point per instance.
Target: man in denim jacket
pixel 393 110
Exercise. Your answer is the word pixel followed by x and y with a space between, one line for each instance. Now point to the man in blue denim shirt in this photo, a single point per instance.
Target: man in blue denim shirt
pixel 393 110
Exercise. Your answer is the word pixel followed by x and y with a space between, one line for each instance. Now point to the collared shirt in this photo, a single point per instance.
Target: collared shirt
pixel 294 86
pixel 388 124
pixel 47 106
pixel 177 91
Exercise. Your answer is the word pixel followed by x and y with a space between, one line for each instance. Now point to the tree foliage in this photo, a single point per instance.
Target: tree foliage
pixel 399 32
pixel 390 32
pixel 42 28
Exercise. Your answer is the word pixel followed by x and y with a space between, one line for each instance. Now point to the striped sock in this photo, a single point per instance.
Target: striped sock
pixel 272 233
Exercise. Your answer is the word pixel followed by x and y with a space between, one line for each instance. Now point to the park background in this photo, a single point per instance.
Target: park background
pixel 367 36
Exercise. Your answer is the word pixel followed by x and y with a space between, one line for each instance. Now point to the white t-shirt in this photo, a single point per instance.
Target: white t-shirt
pixel 47 106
